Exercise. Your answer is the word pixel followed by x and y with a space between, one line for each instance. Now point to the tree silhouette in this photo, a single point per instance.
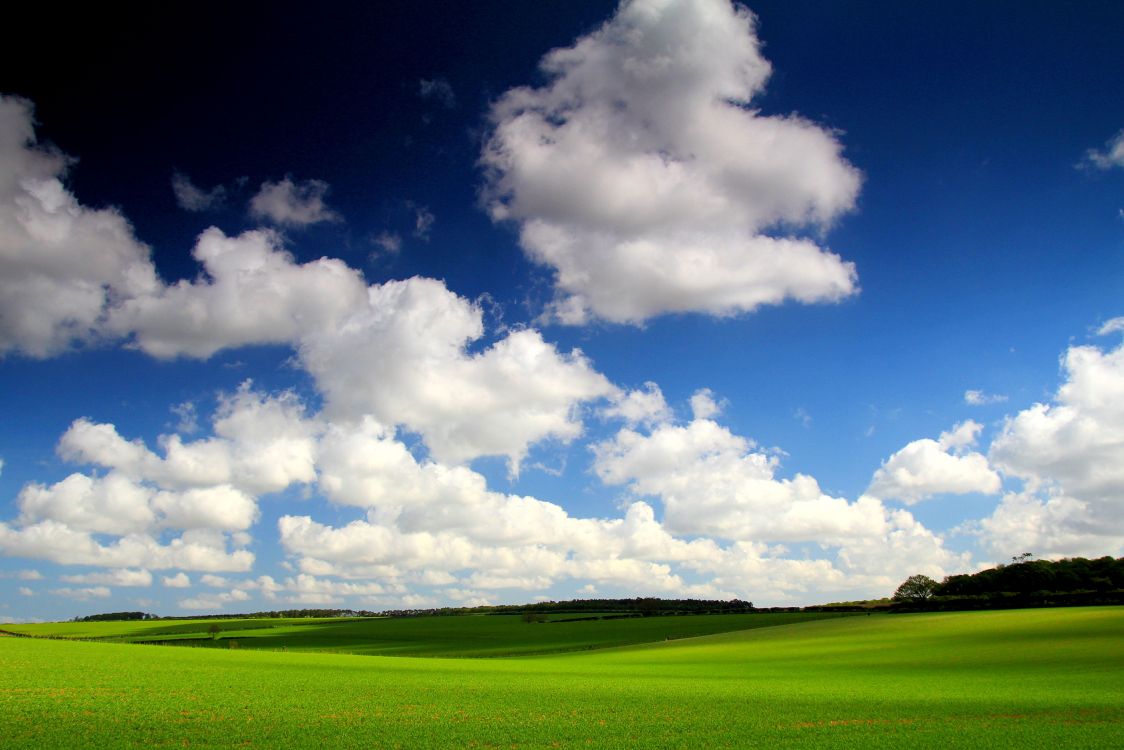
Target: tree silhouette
pixel 916 588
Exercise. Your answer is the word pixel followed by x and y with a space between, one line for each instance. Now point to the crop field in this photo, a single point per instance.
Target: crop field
pixel 1022 678
pixel 461 636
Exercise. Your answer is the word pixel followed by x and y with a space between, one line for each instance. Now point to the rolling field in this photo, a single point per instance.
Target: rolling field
pixel 456 636
pixel 1027 678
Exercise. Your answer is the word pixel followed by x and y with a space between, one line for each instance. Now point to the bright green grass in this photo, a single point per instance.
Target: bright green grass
pixel 473 636
pixel 1025 679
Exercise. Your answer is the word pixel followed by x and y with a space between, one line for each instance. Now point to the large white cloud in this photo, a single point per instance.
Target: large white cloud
pixel 1070 454
pixel 404 357
pixel 61 264
pixel 397 350
pixel 641 175
pixel 926 467
pixel 716 483
pixel 55 541
pixel 260 444
pixel 252 293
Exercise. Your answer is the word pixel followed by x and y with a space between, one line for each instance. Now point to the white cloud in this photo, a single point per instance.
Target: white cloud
pixel 112 504
pixel 253 293
pixel 1070 455
pixel 54 540
pixel 925 468
pixel 293 204
pixel 704 405
pixel 119 577
pixel 396 350
pixel 25 591
pixel 715 483
pixel 639 407
pixel 83 594
pixel 61 264
pixel 644 179
pixel 209 602
pixel 1112 155
pixel 929 467
pixel 192 198
pixel 188 417
pixel 1115 325
pixel 403 358
pixel 980 398
pixel 178 581
pixel 389 242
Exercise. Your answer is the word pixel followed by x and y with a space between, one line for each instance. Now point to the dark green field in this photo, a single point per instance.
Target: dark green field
pixel 464 636
pixel 1024 678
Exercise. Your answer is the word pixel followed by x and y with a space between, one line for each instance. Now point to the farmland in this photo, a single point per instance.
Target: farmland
pixel 1021 678
pixel 472 636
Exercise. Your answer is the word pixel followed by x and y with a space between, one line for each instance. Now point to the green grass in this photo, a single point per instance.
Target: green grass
pixel 1030 678
pixel 463 636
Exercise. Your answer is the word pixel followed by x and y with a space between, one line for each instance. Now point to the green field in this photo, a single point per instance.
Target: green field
pixel 462 636
pixel 1025 678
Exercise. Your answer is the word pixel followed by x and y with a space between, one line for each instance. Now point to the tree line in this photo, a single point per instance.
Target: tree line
pixel 1025 582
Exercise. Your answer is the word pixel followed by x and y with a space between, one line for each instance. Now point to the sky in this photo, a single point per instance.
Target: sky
pixel 404 305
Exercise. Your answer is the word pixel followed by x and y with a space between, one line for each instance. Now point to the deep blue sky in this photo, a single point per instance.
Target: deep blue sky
pixel 987 245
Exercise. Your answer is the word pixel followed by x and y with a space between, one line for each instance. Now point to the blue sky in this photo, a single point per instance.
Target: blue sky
pixel 387 305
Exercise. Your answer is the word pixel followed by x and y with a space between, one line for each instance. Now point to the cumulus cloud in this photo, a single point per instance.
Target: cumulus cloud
pixel 404 358
pixel 293 204
pixel 56 541
pixel 192 198
pixel 1112 155
pixel 178 581
pixel 644 178
pixel 716 483
pixel 206 490
pixel 252 293
pixel 398 350
pixel 643 406
pixel 62 265
pixel 1070 455
pixel 927 467
pixel 704 405
pixel 260 444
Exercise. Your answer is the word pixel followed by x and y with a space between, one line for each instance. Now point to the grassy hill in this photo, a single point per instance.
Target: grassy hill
pixel 1024 678
pixel 461 636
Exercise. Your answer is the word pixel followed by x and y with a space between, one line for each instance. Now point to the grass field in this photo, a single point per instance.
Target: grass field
pixel 464 636
pixel 1026 678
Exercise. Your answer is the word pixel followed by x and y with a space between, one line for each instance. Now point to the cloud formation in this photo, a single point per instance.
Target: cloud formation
pixel 61 264
pixel 644 179
pixel 192 198
pixel 291 204
pixel 1112 155
pixel 1069 453
pixel 927 467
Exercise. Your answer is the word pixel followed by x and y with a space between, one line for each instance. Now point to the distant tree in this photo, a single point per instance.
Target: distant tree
pixel 214 630
pixel 916 588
